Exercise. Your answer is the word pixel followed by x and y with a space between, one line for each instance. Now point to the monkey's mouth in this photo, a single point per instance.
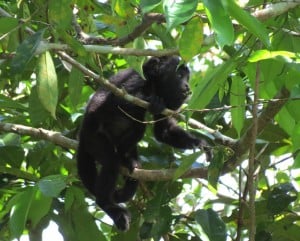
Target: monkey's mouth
pixel 186 95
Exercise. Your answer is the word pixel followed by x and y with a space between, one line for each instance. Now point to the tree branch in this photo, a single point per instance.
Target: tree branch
pixel 147 21
pixel 40 133
pixel 267 115
pixel 272 10
pixel 275 9
pixel 58 139
pixel 45 46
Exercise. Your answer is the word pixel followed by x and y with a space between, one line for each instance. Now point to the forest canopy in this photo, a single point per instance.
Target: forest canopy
pixel 245 81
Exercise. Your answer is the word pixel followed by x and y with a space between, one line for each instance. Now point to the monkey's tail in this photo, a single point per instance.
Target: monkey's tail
pixel 87 169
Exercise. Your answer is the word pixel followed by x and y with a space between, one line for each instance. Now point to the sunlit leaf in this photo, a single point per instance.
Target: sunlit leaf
pixel 123 8
pixel 185 165
pixel 39 207
pixel 220 21
pixel 220 155
pixel 178 12
pixel 247 20
pixel 237 100
pixel 25 52
pixel 6 102
pixel 60 13
pixel 47 83
pixel 280 197
pixel 148 5
pixel 266 54
pixel 7 24
pixel 51 186
pixel 136 62
pixel 211 224
pixel 191 39
pixel 76 80
pixel 207 87
pixel 19 212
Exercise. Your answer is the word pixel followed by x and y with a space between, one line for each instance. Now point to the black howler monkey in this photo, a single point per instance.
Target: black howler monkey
pixel 109 137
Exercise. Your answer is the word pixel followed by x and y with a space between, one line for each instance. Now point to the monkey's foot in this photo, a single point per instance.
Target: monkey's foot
pixel 119 215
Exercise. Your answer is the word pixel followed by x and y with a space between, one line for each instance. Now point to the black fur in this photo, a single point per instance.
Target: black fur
pixel 109 137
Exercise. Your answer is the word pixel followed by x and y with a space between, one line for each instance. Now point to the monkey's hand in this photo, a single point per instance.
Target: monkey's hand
pixel 203 145
pixel 157 105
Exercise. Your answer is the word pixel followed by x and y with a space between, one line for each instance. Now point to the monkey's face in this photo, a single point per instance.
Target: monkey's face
pixel 169 79
pixel 173 86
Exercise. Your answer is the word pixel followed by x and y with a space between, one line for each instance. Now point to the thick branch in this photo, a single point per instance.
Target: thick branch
pixel 275 9
pixel 58 139
pixel 40 133
pixel 45 46
pixel 241 147
pixel 165 174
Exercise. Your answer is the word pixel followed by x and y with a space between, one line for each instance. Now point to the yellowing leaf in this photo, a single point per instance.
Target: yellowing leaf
pixel 237 99
pixel 47 83
pixel 191 39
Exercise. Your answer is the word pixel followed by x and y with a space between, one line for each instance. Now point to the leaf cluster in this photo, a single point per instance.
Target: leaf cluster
pixel 227 47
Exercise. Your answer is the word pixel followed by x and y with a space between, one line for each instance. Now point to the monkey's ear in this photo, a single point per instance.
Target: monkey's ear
pixel 152 63
pixel 152 67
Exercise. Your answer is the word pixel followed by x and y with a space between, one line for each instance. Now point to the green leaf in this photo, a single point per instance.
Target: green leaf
pixel 12 155
pixel 8 103
pixel 165 36
pixel 177 12
pixel 220 22
pixel 123 8
pixel 206 88
pixel 60 13
pixel 248 21
pixel 211 224
pixel 7 24
pixel 280 197
pixel 286 121
pixel 39 207
pixel 37 112
pixel 296 137
pixel 163 223
pixel 185 165
pixel 266 54
pixel 237 100
pixel 191 39
pixel 136 62
pixel 51 186
pixel 215 166
pixel 19 211
pixel 148 5
pixel 47 83
pixel 25 52
pixel 76 80
pixel 88 231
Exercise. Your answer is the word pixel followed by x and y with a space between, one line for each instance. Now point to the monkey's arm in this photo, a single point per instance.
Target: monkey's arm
pixel 167 131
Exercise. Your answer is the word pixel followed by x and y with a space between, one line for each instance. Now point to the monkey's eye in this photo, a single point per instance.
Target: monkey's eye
pixel 179 75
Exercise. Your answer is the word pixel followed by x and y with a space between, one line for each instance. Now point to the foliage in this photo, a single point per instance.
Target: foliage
pixel 228 47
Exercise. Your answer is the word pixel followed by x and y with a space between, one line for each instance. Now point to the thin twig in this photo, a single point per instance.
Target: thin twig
pixel 251 178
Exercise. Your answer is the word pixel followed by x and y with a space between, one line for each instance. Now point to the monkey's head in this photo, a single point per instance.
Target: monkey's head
pixel 170 80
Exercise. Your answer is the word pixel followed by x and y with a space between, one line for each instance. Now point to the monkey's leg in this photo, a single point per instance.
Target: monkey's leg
pixel 129 189
pixel 86 167
pixel 105 188
pixel 103 151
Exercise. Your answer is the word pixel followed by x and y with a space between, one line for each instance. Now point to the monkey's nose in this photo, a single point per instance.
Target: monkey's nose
pixel 187 88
